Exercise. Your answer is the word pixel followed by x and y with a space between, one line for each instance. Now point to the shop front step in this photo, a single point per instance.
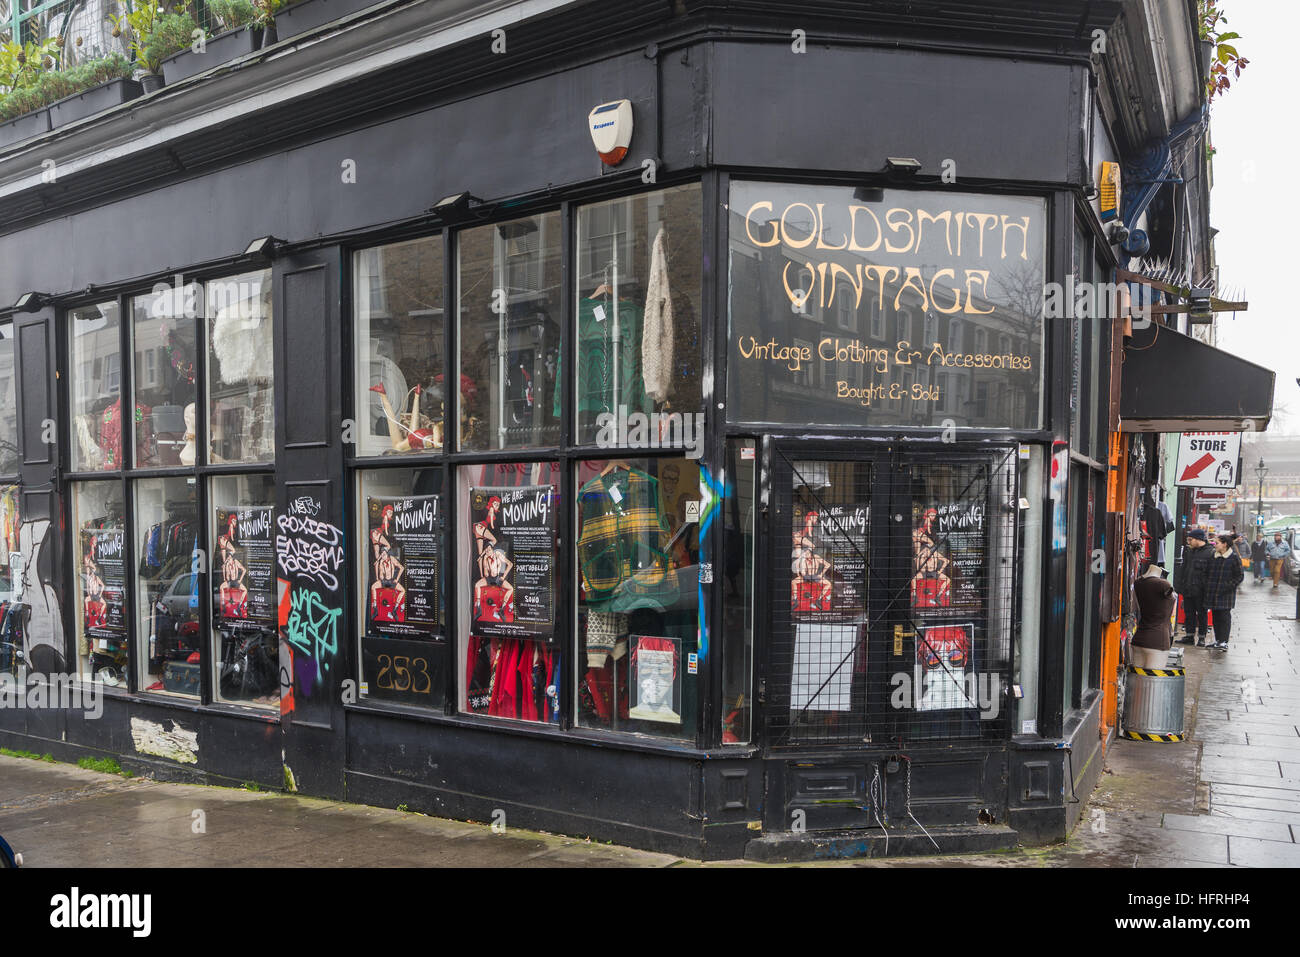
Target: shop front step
pixel 788 847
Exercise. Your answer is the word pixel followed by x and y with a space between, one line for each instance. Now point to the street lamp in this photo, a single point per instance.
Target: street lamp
pixel 1260 471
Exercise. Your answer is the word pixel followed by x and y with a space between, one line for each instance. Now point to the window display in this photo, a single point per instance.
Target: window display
pixel 246 656
pixel 401 379
pixel 510 331
pixel 168 581
pixel 95 387
pixel 241 370
pixel 638 570
pixel 638 297
pixel 163 374
pixel 923 265
pixel 100 539
pixel 507 599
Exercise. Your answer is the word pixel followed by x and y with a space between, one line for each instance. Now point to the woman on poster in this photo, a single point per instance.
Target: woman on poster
pixel 388 576
pixel 234 594
pixel 930 564
pixel 95 607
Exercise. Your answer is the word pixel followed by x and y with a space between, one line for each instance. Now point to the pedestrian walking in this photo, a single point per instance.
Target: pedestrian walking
pixel 1259 557
pixel 1155 600
pixel 1189 581
pixel 1223 576
pixel 1278 552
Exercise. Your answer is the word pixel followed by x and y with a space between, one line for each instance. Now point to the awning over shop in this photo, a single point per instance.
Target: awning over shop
pixel 1174 383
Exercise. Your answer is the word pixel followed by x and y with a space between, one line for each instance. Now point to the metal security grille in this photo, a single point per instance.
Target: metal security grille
pixel 892 586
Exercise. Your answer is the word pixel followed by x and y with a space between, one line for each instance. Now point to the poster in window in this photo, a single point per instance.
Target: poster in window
pixel 245 564
pixel 948 556
pixel 512 560
pixel 943 667
pixel 404 566
pixel 103 585
pixel 829 563
pixel 655 684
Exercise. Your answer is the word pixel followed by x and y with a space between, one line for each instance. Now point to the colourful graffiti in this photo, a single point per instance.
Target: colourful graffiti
pixel 313 628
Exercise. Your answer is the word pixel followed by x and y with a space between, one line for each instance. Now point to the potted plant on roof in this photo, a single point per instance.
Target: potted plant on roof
pixel 154 33
pixel 240 35
pixel 89 88
pixel 22 106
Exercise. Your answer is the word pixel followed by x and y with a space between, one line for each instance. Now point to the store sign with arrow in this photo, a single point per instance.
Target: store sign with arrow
pixel 1208 459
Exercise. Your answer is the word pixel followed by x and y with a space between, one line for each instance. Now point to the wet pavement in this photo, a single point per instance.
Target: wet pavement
pixel 1228 796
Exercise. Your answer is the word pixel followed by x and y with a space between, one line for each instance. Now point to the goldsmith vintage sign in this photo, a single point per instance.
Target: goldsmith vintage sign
pixel 918 306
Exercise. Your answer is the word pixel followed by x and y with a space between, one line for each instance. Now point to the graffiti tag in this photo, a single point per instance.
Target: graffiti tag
pixel 313 627
pixel 310 549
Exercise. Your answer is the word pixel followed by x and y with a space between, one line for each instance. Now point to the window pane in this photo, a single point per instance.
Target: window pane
pixel 399 316
pixel 738 594
pixel 241 369
pixel 638 313
pixel 100 548
pixel 510 332
pixel 401 582
pixel 167 586
pixel 507 596
pixel 8 403
pixel 246 650
pixel 95 372
pixel 164 376
pixel 638 584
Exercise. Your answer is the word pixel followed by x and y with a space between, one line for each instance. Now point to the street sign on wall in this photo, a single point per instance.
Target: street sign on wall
pixel 1208 459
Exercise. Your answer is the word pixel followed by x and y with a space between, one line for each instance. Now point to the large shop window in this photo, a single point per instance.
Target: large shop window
pixel 401 521
pixel 146 549
pixel 639 273
pixel 638 595
pixel 510 647
pixel 510 324
pixel 400 385
pixel 923 265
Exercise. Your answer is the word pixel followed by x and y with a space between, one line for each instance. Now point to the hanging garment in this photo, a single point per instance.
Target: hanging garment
pixel 609 366
pixel 657 325
pixel 620 546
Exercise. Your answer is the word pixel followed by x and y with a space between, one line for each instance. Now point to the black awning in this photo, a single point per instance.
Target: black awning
pixel 1174 383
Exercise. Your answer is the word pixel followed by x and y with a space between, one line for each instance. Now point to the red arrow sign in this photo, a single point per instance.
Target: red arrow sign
pixel 1197 467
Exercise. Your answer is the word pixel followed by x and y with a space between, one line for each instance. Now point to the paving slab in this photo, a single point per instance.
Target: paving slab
pixel 1209 824
pixel 1251 852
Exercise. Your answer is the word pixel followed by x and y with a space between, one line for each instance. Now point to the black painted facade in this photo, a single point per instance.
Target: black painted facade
pixel 718 93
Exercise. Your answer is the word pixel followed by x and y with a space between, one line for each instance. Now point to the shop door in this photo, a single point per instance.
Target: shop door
pixel 891 578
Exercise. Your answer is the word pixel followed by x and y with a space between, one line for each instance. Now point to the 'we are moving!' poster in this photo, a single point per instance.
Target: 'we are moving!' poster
pixel 405 566
pixel 103 575
pixel 512 561
pixel 246 564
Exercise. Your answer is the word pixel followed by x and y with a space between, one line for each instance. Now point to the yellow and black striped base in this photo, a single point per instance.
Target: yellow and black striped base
pixel 1149 736
pixel 1158 672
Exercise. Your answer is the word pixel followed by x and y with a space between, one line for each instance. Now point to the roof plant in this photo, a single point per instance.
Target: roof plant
pixel 1224 59
pixel 53 85
pixel 155 32
pixel 232 14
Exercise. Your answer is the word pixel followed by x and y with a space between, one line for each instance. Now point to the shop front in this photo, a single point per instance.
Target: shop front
pixel 719 503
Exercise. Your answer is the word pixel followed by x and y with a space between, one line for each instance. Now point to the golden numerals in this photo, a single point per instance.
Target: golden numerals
pixel 405 674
